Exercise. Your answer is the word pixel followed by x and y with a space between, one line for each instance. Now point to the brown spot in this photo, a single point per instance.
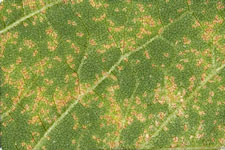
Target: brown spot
pixel 166 54
pixel 120 68
pixel 18 60
pixel 186 41
pixel 102 17
pixel 30 3
pixel 217 20
pixel 92 42
pixel 143 32
pixel 148 20
pixel 94 4
pixel 35 53
pixel 197 24
pixel 147 55
pixel 180 67
pixel 220 6
pixel 57 58
pixel 141 7
pixel 73 23
pixel 76 48
pixel 189 2
pixel 80 34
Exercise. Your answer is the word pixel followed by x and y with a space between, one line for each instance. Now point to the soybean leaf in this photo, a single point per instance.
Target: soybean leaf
pixel 104 74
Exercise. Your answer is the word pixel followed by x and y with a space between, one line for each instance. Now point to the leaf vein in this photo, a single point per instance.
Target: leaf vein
pixel 29 16
pixel 69 109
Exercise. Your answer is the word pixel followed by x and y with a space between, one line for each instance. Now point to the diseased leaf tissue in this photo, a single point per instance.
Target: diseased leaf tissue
pixel 104 74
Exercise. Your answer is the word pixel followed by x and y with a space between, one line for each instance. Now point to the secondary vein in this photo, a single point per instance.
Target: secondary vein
pixel 29 16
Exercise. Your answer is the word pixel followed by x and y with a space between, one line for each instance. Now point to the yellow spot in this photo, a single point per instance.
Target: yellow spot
pixel 180 10
pixel 73 141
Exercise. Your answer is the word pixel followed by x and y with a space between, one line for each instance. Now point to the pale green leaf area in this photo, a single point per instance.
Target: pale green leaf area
pixel 110 74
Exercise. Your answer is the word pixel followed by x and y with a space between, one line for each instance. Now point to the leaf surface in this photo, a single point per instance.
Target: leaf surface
pixel 96 74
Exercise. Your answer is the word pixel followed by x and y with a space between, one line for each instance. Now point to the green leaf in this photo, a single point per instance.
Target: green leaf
pixel 88 75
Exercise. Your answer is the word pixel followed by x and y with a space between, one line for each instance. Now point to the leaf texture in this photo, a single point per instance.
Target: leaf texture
pixel 102 74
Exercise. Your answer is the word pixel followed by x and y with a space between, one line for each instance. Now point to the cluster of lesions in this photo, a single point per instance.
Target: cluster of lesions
pixel 210 32
pixel 52 39
pixel 112 116
pixel 76 49
pixel 8 38
pixel 148 24
pixel 20 84
pixel 117 34
pixel 127 43
pixel 34 21
pixel 201 127
pixel 169 93
pixel 32 4
pixel 110 119
pixel 182 141
pixel 9 10
pixel 62 97
pixel 200 58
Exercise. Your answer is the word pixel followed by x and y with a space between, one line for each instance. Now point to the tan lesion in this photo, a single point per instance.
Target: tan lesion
pixel 69 61
pixel 100 18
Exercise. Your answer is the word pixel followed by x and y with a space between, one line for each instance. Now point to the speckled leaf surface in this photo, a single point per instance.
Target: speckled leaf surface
pixel 110 74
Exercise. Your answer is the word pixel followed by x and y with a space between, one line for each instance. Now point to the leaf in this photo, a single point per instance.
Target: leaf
pixel 79 74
